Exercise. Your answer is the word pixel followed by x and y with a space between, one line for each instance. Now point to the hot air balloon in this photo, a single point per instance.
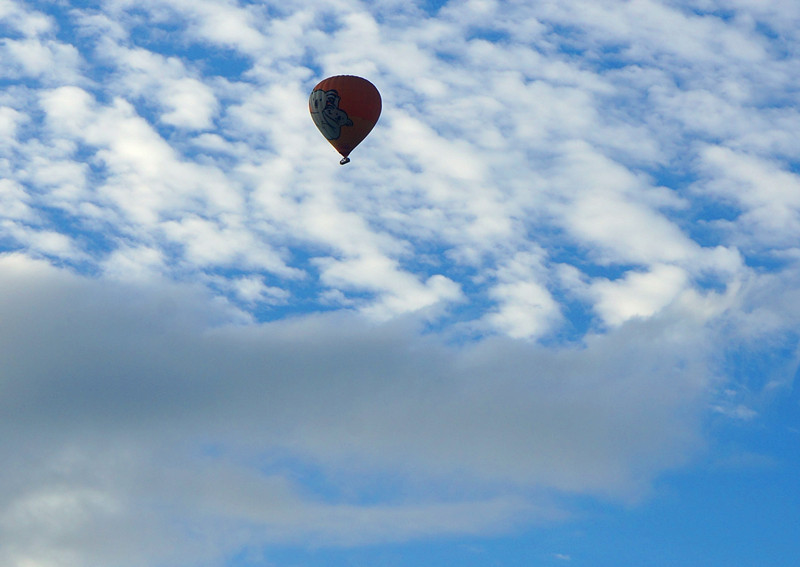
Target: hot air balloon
pixel 345 108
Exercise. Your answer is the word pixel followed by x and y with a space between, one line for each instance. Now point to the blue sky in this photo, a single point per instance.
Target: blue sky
pixel 547 316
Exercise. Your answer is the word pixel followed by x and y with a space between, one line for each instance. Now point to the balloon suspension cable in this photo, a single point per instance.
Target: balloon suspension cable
pixel 344 161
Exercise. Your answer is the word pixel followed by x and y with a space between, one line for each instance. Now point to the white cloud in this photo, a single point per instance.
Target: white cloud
pixel 28 23
pixel 767 195
pixel 10 121
pixel 526 307
pixel 38 241
pixel 36 54
pixel 252 289
pixel 399 292
pixel 615 214
pixel 185 101
pixel 210 243
pixel 638 294
pixel 225 24
pixel 36 59
pixel 14 201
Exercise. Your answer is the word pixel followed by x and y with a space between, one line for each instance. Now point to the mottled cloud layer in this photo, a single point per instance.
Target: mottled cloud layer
pixel 517 142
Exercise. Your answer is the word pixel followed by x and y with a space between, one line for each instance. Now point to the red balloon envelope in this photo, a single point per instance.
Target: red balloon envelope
pixel 345 108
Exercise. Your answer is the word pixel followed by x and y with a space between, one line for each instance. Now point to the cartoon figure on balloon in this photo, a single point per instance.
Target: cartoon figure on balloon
pixel 345 108
pixel 327 115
